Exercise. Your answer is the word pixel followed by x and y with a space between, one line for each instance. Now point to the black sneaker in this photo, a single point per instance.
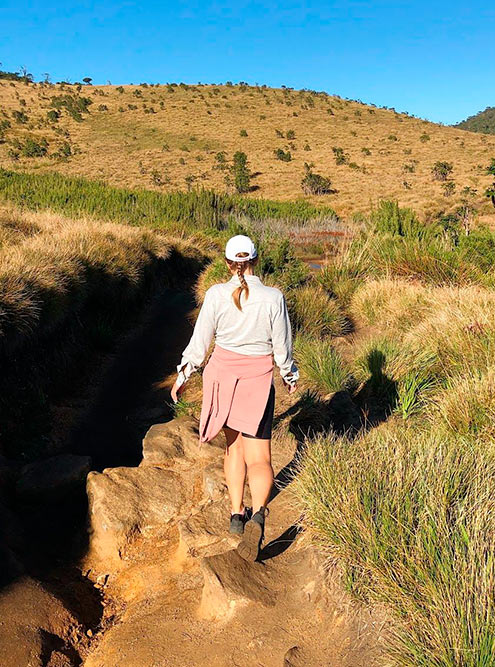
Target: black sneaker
pixel 237 521
pixel 254 532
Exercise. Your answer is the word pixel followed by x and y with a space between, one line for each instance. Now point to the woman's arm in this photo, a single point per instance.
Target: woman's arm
pixel 197 348
pixel 282 344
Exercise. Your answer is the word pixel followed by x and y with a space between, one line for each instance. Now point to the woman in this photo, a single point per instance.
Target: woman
pixel 251 327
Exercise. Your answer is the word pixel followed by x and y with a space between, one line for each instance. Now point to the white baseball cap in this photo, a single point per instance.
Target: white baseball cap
pixel 238 245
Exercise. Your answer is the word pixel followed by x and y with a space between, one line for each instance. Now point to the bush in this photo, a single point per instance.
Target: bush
pixel 340 156
pixel 389 218
pixel 242 175
pixel 243 133
pixel 285 156
pixel 75 105
pixel 448 188
pixel 33 148
pixel 290 134
pixel 441 170
pixel 424 138
pixel 315 184
pixel 20 117
pixel 53 115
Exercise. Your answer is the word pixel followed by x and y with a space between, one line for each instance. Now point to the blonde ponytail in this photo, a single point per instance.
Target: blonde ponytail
pixel 240 267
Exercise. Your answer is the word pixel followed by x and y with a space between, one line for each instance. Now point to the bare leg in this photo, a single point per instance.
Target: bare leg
pixel 235 469
pixel 257 455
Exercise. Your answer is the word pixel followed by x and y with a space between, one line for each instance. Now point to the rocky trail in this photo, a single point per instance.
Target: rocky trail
pixel 153 579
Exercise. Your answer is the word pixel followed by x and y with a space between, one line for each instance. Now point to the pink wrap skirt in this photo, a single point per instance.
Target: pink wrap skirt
pixel 236 388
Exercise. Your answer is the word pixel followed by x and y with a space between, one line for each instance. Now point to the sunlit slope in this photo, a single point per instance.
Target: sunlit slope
pixel 168 137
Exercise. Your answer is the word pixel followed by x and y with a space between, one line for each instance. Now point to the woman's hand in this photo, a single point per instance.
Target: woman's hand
pixel 176 391
pixel 291 388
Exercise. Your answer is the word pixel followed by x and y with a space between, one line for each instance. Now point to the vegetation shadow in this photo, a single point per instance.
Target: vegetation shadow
pixel 377 397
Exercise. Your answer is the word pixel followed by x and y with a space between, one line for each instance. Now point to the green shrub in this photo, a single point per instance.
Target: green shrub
pixel 285 156
pixel 340 156
pixel 75 105
pixel 53 115
pixel 315 184
pixel 441 170
pixel 20 117
pixel 242 176
pixel 243 133
pixel 389 218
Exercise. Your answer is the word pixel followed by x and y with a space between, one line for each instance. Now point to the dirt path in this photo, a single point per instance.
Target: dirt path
pixel 161 583
pixel 179 592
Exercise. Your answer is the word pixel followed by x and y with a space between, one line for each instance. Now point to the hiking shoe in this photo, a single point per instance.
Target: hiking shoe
pixel 237 521
pixel 254 531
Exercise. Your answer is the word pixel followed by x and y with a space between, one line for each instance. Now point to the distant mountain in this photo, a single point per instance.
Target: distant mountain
pixel 484 121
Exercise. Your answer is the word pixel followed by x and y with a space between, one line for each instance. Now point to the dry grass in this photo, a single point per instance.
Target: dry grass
pixel 47 274
pixel 409 515
pixel 67 289
pixel 191 125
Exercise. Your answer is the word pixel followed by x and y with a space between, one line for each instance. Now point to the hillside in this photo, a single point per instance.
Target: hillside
pixel 484 121
pixel 176 136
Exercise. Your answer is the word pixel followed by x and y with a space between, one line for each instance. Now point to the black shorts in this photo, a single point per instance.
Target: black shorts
pixel 264 431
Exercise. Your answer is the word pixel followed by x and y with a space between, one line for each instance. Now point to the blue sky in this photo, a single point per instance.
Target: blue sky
pixel 432 59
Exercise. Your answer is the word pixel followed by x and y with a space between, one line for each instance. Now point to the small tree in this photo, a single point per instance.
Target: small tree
pixel 87 80
pixel 285 156
pixel 448 188
pixel 467 210
pixel 315 184
pixel 441 170
pixel 241 172
pixel 340 156
pixel 490 191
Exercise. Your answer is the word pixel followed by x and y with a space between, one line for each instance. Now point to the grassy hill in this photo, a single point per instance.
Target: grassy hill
pixel 172 137
pixel 484 121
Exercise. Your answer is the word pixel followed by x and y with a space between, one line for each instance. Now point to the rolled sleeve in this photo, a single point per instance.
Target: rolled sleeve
pixel 282 342
pixel 197 348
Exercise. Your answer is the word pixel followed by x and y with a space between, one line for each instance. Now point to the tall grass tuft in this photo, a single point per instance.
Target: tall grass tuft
pixel 321 366
pixel 410 516
pixel 314 313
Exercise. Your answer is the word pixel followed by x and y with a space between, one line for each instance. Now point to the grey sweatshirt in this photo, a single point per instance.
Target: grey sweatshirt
pixel 262 327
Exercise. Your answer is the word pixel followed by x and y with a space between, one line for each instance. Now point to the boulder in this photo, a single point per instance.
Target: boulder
pixel 125 503
pixel 231 582
pixel 205 533
pixel 163 444
pixel 214 484
pixel 53 478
